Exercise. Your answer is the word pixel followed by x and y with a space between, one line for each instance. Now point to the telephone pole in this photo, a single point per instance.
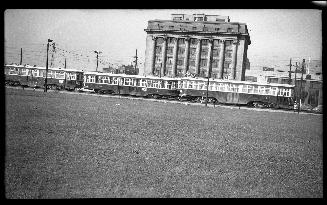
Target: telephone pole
pixel 97 52
pixel 302 69
pixel 290 74
pixel 65 63
pixel 135 65
pixel 21 56
pixel 46 68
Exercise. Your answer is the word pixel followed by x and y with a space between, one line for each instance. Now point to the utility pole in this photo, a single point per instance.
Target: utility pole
pixel 290 74
pixel 97 52
pixel 302 69
pixel 46 68
pixel 21 56
pixel 295 85
pixel 65 63
pixel 135 65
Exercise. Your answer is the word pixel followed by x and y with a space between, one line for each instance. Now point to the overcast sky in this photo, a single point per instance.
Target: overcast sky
pixel 276 35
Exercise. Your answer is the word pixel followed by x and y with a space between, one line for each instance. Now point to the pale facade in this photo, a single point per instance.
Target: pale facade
pixel 196 45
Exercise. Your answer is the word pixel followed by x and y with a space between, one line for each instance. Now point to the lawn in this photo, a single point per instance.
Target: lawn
pixel 61 145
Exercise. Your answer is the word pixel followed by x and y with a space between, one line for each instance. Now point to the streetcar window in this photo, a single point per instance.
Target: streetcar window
pixel 168 84
pixel 267 90
pixel 128 81
pixel 71 76
pixel 155 84
pixel 190 84
pixel 196 85
pixel 92 79
pixel 244 88
pixel 273 91
pixel 13 71
pixel 180 84
pixel 59 74
pixel 41 73
pixel 201 84
pixel 262 90
pixel 173 85
pixel 250 89
pixel 221 87
pixel 24 71
pixel 211 86
pixel 149 83
pixel 255 90
pixel 35 72
pixel 143 83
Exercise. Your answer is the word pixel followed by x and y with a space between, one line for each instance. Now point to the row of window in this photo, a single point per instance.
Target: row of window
pixel 196 85
pixel 204 51
pixel 41 73
pixel 193 41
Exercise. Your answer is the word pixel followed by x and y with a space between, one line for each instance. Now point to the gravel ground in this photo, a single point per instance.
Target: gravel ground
pixel 83 146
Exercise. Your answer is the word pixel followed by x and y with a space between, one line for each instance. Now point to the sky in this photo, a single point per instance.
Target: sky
pixel 276 35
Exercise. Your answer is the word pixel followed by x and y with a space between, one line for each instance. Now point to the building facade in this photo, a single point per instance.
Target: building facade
pixel 196 45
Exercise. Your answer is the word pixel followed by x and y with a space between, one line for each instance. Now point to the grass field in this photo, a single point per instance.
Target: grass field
pixel 62 145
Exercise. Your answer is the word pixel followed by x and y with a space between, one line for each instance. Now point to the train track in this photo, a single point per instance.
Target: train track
pixel 175 101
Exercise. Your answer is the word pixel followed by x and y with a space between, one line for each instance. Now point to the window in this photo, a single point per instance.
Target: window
pixel 215 52
pixel 170 40
pixel 205 28
pixel 180 62
pixel 204 52
pixel 196 85
pixel 193 40
pixel 34 72
pixel 192 51
pixel 24 71
pixel 229 30
pixel 181 41
pixel 250 89
pixel 221 87
pixel 190 84
pixel 177 18
pixel 169 60
pixel 171 27
pixel 158 49
pixel 198 19
pixel 261 90
pixel 216 29
pixel 203 62
pixel 170 50
pixel 255 90
pixel 192 62
pixel 204 42
pixel 149 83
pixel 13 71
pixel 214 63
pixel 143 83
pixel 274 91
pixel 90 79
pixel 194 28
pixel 71 76
pixel 115 81
pixel 181 50
pixel 51 74
pixel 228 54
pixel 60 74
pixel 158 59
pixel 244 88
pixel 160 40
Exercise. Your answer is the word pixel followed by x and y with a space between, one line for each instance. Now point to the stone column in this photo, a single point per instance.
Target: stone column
pixel 221 59
pixel 210 57
pixel 198 57
pixel 164 54
pixel 175 56
pixel 187 54
pixel 153 60
pixel 234 54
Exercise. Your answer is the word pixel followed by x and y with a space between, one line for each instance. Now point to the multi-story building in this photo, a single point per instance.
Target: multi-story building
pixel 196 45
